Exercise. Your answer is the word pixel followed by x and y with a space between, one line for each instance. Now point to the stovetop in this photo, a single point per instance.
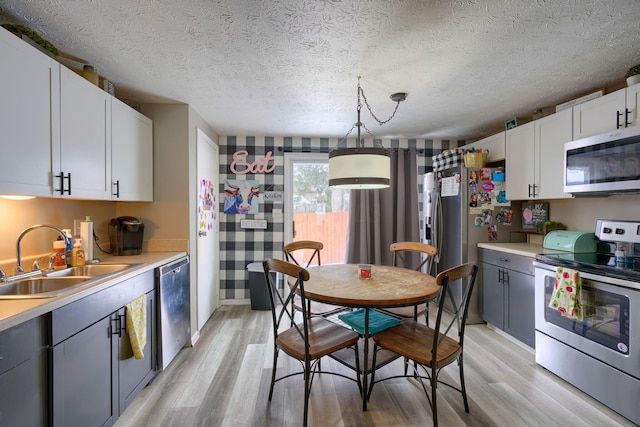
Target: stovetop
pixel 594 263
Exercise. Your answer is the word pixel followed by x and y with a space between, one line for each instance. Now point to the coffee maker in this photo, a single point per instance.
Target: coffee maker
pixel 125 235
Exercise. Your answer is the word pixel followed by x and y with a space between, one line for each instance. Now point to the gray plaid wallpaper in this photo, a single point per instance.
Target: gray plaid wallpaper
pixel 239 247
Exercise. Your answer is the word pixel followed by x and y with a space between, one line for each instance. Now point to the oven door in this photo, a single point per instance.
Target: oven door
pixel 607 332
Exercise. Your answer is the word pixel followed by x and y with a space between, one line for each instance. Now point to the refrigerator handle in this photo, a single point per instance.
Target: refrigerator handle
pixel 437 225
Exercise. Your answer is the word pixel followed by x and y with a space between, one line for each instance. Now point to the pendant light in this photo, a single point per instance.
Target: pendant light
pixel 362 167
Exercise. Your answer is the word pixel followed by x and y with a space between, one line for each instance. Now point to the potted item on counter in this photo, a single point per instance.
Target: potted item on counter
pixel 633 75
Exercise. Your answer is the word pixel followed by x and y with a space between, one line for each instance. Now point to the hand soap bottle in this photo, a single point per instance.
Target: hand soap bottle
pixel 59 249
pixel 77 254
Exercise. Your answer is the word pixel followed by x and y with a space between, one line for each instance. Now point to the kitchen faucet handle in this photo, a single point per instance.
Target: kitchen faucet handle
pixel 36 263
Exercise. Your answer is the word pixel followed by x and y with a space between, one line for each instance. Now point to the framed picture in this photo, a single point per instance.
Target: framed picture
pixel 510 124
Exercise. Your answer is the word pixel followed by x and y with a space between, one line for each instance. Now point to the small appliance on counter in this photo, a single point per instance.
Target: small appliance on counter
pixel 125 235
pixel 570 241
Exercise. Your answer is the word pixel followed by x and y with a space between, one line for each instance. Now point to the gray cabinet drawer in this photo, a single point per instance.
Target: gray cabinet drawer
pixel 21 342
pixel 523 264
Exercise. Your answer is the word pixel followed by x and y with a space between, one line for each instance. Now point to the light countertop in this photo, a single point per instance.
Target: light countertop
pixel 16 311
pixel 524 249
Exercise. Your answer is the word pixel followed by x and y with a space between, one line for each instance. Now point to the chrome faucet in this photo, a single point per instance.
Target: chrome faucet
pixel 19 269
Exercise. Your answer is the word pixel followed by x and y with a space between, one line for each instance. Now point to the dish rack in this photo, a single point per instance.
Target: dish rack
pixel 476 160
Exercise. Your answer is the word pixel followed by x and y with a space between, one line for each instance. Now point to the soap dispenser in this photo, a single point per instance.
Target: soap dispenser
pixel 77 254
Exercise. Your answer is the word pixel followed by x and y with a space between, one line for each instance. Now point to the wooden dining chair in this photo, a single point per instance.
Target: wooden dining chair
pixel 309 340
pixel 433 348
pixel 412 255
pixel 306 253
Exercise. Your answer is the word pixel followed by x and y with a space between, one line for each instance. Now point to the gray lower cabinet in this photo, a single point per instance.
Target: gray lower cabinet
pixel 23 374
pixel 508 293
pixel 94 373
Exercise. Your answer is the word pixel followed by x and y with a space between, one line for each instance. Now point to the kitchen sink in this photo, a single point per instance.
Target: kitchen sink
pixel 91 270
pixel 40 287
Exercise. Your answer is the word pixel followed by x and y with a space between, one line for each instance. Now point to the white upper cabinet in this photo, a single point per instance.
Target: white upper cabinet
pixel 616 110
pixel 535 158
pixel 132 154
pixel 495 144
pixel 56 132
pixel 520 162
pixel 85 139
pixel 29 117
pixel 551 133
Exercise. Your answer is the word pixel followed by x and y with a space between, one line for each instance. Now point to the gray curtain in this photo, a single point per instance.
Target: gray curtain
pixel 378 218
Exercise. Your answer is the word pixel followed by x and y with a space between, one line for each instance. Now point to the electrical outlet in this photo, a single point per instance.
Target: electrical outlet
pixel 76 226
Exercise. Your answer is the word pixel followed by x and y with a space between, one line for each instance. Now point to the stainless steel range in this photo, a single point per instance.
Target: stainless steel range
pixel 600 354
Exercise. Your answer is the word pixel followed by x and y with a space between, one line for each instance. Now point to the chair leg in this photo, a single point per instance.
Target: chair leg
pixel 434 408
pixel 307 375
pixel 273 371
pixel 462 386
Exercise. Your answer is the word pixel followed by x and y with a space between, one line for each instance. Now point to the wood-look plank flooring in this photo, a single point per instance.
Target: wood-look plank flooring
pixel 224 381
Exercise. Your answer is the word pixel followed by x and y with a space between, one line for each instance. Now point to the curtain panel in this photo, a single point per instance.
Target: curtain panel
pixel 378 218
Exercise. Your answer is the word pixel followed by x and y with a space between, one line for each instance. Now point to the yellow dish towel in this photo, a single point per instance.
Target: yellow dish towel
pixel 137 325
pixel 566 296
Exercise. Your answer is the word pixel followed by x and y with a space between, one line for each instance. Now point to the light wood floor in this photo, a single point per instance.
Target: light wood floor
pixel 224 381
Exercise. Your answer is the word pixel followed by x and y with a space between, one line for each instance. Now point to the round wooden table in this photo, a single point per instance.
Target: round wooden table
pixel 339 284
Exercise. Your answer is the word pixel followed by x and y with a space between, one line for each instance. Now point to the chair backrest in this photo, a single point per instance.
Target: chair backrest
pixel 460 305
pixel 302 249
pixel 406 254
pixel 281 308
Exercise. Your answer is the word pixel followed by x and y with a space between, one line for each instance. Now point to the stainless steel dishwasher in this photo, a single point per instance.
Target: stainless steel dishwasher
pixel 175 308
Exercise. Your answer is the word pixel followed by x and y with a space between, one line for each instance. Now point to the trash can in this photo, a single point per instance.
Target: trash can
pixel 258 287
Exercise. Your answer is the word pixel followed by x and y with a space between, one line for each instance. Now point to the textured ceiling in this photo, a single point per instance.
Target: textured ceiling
pixel 290 67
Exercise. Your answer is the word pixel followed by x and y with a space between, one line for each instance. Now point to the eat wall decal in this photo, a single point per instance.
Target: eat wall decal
pixel 240 166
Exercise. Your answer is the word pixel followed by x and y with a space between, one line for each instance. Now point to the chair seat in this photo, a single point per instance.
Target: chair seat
pixel 324 337
pixel 415 341
pixel 317 308
pixel 406 312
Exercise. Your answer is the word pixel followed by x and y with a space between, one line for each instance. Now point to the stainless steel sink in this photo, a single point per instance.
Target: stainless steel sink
pixel 91 270
pixel 40 287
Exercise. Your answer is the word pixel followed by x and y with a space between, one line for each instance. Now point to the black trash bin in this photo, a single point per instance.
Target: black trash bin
pixel 258 287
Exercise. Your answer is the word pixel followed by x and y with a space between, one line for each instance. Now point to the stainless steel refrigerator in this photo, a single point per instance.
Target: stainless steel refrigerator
pixel 463 207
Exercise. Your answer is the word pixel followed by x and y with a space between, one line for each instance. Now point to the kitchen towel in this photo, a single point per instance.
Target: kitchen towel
pixel 136 312
pixel 378 322
pixel 566 296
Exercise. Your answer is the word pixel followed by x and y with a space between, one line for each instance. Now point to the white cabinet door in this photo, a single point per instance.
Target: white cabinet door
pixel 633 103
pixel 132 154
pixel 599 115
pixel 495 144
pixel 520 171
pixel 551 133
pixel 85 138
pixel 29 117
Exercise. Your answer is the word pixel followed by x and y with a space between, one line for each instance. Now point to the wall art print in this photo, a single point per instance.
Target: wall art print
pixel 241 196
pixel 206 205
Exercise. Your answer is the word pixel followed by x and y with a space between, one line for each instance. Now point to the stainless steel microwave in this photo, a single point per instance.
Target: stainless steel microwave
pixel 603 164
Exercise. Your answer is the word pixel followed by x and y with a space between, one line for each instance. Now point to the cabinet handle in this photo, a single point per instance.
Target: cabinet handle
pixel 618 115
pixel 529 190
pixel 117 185
pixel 500 276
pixel 62 190
pixel 627 112
pixel 123 323
pixel 505 277
pixel 116 326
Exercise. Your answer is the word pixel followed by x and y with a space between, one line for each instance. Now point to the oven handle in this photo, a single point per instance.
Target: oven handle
pixel 594 277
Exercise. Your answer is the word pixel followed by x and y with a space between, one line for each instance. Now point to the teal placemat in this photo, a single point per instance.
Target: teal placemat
pixel 378 322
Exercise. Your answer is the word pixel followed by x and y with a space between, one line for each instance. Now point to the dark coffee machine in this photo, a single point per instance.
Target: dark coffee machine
pixel 125 235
